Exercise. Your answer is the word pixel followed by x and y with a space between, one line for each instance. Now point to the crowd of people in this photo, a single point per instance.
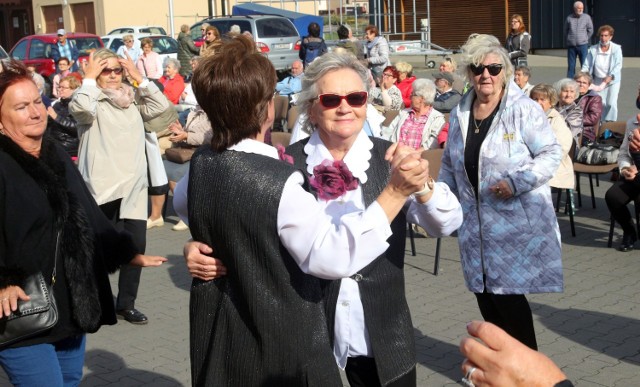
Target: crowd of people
pixel 322 229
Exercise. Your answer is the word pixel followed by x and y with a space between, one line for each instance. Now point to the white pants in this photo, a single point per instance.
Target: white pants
pixel 609 100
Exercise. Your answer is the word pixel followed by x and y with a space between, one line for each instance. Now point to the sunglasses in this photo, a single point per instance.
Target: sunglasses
pixel 108 71
pixel 494 69
pixel 355 99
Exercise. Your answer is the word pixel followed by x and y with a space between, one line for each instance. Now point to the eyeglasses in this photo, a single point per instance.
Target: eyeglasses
pixel 63 88
pixel 209 33
pixel 387 75
pixel 108 71
pixel 355 99
pixel 494 69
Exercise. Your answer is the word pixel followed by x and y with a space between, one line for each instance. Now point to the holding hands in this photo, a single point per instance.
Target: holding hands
pixel 410 173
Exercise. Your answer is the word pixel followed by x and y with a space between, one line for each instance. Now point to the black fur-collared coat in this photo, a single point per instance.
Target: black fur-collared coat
pixel 41 198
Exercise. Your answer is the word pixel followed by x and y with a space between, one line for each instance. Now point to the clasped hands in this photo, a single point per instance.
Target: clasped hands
pixel 409 171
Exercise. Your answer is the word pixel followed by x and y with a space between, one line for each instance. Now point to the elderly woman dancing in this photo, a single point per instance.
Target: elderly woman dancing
pixel 419 125
pixel 501 153
pixel 50 225
pixel 367 313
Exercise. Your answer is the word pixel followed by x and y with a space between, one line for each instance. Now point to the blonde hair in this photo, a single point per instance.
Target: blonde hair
pixel 404 67
pixel 478 47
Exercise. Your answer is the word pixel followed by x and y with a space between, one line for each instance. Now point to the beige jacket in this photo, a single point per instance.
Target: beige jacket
pixel 564 177
pixel 111 155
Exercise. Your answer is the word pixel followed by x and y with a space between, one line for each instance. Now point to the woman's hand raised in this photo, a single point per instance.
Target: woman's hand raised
pixel 130 67
pixel 93 67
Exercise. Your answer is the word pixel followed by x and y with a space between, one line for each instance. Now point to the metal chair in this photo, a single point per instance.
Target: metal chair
pixel 434 157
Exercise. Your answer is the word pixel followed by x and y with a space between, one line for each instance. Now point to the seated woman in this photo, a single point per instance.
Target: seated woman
pixel 172 81
pixel 419 125
pixel 387 96
pixel 591 104
pixel 405 80
pixel 281 231
pixel 568 106
pixel 62 126
pixel 546 97
pixel 449 65
pixel 627 188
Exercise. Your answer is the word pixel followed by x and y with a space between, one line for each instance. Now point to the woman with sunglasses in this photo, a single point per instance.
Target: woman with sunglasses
pixel 212 42
pixel 111 157
pixel 133 51
pixel 500 155
pixel 348 230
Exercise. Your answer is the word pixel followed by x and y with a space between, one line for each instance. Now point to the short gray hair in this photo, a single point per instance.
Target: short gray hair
pixel 172 61
pixel 317 69
pixel 235 29
pixel 567 83
pixel 424 88
pixel 478 47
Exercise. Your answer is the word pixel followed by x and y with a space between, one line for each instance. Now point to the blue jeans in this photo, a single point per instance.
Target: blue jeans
pixel 572 52
pixel 55 365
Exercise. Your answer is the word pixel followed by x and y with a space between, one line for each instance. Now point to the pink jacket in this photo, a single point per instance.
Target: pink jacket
pixel 150 65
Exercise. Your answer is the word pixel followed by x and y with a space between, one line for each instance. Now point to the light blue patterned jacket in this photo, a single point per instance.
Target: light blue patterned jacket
pixel 515 243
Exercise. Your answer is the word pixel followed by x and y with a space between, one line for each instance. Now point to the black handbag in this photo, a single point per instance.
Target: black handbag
pixel 32 317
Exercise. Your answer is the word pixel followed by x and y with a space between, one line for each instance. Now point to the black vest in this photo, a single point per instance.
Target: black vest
pixel 263 324
pixel 381 283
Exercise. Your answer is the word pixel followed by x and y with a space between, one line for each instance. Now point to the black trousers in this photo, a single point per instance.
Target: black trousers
pixel 362 372
pixel 129 277
pixel 510 312
pixel 617 198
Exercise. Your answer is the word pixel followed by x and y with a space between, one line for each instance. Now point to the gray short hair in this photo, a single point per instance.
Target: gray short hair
pixel 567 83
pixel 320 67
pixel 235 29
pixel 172 61
pixel 585 75
pixel 424 88
pixel 525 70
pixel 476 49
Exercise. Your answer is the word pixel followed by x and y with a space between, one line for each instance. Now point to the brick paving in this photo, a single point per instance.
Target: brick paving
pixel 592 330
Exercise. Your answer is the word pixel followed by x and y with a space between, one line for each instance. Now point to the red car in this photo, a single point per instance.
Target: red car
pixel 35 50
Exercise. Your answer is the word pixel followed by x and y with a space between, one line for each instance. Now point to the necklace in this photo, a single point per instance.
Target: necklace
pixel 478 125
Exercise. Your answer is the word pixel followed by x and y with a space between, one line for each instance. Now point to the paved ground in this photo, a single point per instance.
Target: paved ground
pixel 592 330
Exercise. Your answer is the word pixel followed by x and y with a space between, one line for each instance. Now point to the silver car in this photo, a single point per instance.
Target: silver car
pixel 164 45
pixel 275 36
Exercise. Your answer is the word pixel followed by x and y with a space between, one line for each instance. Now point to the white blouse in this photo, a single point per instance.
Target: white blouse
pixel 335 239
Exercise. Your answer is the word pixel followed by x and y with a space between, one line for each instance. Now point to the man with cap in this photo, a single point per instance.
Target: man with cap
pixel 64 48
pixel 446 97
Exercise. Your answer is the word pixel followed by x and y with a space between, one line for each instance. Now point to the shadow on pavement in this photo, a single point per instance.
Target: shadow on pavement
pixel 438 355
pixel 178 272
pixel 111 368
pixel 615 336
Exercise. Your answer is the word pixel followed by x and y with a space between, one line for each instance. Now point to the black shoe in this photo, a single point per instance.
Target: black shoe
pixel 134 316
pixel 628 240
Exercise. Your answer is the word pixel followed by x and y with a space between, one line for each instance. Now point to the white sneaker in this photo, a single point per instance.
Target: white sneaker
pixel 180 226
pixel 155 223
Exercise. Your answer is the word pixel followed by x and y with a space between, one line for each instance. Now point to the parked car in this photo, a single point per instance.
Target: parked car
pixel 153 30
pixel 35 50
pixel 164 45
pixel 275 36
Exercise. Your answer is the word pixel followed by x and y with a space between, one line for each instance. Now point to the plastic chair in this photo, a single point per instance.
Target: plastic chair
pixel 281 107
pixel 434 157
pixel 292 117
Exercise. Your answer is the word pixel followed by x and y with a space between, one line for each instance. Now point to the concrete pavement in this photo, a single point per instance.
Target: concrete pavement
pixel 592 330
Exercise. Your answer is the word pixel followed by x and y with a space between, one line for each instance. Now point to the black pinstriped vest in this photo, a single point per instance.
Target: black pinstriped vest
pixel 264 323
pixel 381 283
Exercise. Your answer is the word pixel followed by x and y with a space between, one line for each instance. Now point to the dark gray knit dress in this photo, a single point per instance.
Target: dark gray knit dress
pixel 263 324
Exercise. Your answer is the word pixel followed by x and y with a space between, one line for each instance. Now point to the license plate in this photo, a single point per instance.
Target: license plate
pixel 281 46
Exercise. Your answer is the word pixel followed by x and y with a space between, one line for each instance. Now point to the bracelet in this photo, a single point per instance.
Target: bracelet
pixel 428 186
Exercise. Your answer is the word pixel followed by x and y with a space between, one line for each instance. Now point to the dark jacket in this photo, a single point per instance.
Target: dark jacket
pixel 39 198
pixel 55 55
pixel 381 283
pixel 591 104
pixel 63 128
pixel 311 48
pixel 518 46
pixel 445 102
pixel 352 47
pixel 186 50
pixel 262 324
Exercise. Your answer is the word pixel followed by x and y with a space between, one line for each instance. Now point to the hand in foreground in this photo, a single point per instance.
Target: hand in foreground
pixel 93 67
pixel 634 138
pixel 52 113
pixel 201 265
pixel 629 173
pixel 130 68
pixel 502 190
pixel 500 360
pixel 9 297
pixel 147 260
